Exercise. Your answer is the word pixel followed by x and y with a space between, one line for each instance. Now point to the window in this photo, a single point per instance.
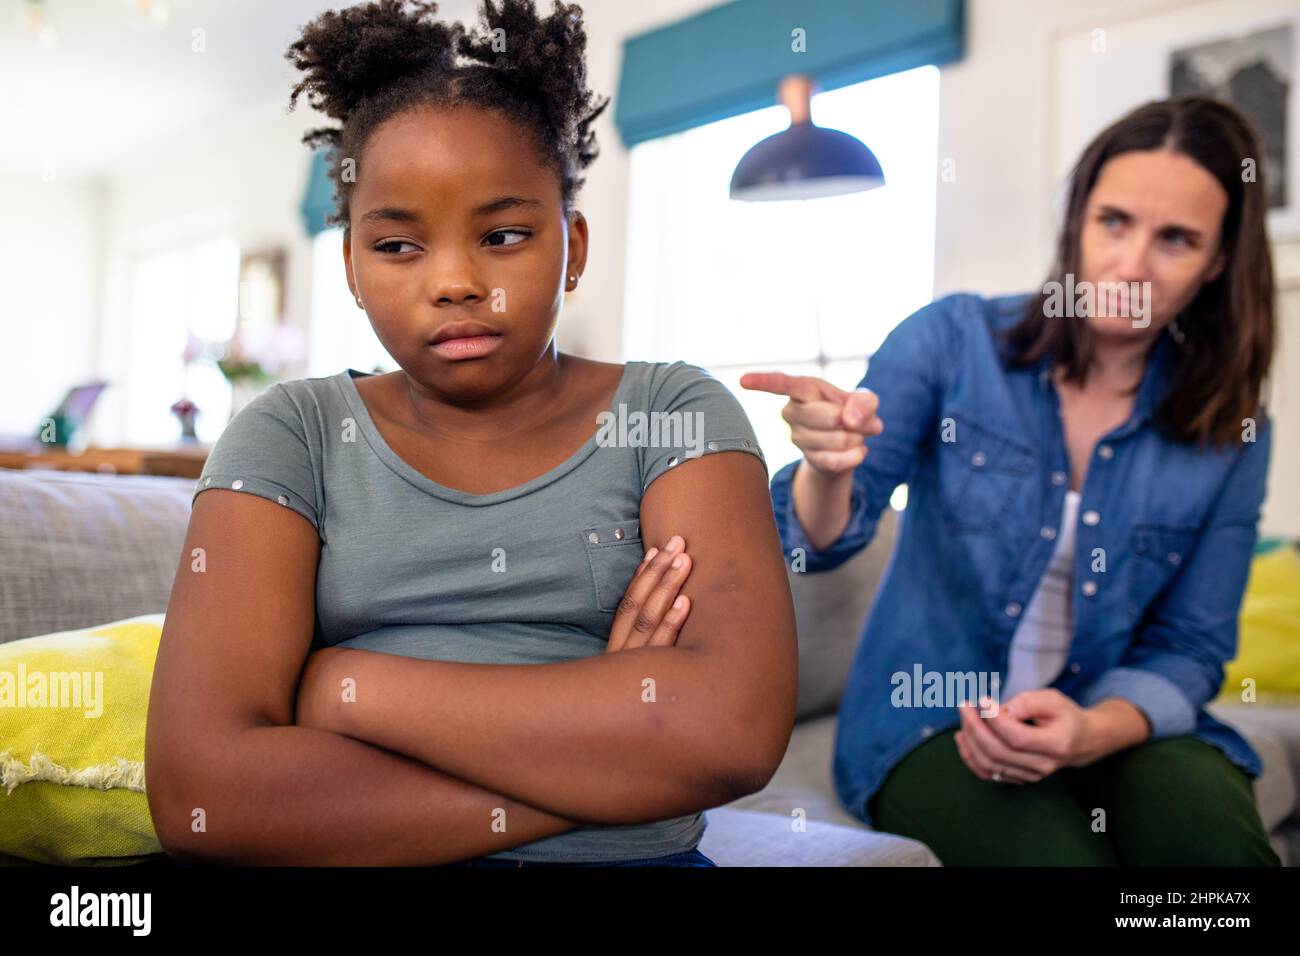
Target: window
pixel 194 288
pixel 809 287
pixel 341 335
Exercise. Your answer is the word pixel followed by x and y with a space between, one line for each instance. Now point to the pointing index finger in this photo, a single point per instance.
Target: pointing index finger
pixel 802 388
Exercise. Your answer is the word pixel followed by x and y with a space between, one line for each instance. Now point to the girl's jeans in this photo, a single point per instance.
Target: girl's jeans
pixel 692 857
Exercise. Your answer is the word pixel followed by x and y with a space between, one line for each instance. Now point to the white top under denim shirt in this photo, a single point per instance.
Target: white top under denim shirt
pixel 1040 646
pixel 1163 543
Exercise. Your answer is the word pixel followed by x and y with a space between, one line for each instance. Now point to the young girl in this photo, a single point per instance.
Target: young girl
pixel 1085 468
pixel 483 548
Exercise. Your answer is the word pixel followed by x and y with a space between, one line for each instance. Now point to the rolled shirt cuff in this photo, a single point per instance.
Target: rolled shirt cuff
pixel 795 543
pixel 1166 707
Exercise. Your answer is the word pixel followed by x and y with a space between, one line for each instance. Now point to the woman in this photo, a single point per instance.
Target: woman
pixel 1085 473
pixel 501 674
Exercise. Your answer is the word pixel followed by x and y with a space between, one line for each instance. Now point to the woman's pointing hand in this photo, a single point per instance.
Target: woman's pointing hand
pixel 827 424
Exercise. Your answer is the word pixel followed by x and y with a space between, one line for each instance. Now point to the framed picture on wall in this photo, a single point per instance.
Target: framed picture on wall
pixel 1241 51
pixel 261 289
pixel 1254 73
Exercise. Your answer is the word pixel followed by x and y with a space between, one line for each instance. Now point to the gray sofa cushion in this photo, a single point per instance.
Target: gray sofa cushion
pixel 830 608
pixel 78 549
pixel 803 781
pixel 748 838
pixel 1274 732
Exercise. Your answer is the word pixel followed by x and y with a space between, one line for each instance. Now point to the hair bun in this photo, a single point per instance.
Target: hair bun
pixel 351 54
pixel 546 55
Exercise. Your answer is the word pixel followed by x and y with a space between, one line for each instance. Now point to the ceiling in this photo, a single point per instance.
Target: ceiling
pixel 114 82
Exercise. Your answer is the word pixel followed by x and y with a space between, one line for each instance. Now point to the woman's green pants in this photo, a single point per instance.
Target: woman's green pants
pixel 1172 802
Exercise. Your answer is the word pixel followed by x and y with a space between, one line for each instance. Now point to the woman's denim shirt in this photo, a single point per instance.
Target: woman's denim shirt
pixel 1163 545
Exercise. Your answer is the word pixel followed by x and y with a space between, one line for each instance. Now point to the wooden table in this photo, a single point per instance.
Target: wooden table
pixel 181 461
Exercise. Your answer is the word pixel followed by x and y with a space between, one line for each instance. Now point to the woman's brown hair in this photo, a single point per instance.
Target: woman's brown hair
pixel 1228 329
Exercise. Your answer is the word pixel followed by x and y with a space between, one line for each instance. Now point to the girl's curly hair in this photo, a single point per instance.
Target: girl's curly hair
pixel 366 63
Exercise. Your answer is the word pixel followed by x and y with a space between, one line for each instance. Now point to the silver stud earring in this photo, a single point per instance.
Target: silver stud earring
pixel 359 305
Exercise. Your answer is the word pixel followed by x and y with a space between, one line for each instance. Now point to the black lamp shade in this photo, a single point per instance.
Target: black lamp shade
pixel 805 162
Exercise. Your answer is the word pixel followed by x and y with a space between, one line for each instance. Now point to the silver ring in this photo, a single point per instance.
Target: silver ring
pixel 997 776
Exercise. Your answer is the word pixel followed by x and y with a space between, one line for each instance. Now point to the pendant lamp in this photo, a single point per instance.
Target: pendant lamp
pixel 806 161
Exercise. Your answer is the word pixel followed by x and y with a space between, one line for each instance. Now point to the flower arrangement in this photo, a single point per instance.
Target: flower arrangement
pixel 251 359
pixel 251 355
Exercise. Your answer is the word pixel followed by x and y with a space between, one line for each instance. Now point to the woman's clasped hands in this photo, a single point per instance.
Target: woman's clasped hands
pixel 1006 748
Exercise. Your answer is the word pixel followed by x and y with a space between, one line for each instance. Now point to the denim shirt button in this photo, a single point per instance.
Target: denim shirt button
pixel 1090 518
pixel 1059 477
pixel 978 459
pixel 1048 533
pixel 1013 609
pixel 1089 588
pixel 1174 557
pixel 1105 451
pixel 927 730
pixel 1076 667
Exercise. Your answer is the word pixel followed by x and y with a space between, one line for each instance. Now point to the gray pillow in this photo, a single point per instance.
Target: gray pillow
pixel 831 608
pixel 78 548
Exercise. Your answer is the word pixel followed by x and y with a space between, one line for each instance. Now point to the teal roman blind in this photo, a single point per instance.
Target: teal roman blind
pixel 730 59
pixel 318 197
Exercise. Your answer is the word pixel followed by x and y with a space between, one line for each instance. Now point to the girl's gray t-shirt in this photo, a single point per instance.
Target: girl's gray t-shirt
pixel 528 575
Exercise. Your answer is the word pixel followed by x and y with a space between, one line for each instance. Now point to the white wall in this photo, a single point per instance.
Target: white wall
pixel 49 297
pixel 243 177
pixel 593 319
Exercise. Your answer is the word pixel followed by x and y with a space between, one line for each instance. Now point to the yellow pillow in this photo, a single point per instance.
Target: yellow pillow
pixel 1268 647
pixel 72 721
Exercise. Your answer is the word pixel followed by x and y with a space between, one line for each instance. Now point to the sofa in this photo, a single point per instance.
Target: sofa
pixel 81 549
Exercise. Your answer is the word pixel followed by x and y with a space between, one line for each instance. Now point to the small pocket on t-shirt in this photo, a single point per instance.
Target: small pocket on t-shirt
pixel 613 553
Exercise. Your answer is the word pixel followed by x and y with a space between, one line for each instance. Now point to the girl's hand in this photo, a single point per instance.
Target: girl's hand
pixel 828 424
pixel 652 611
pixel 1006 749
